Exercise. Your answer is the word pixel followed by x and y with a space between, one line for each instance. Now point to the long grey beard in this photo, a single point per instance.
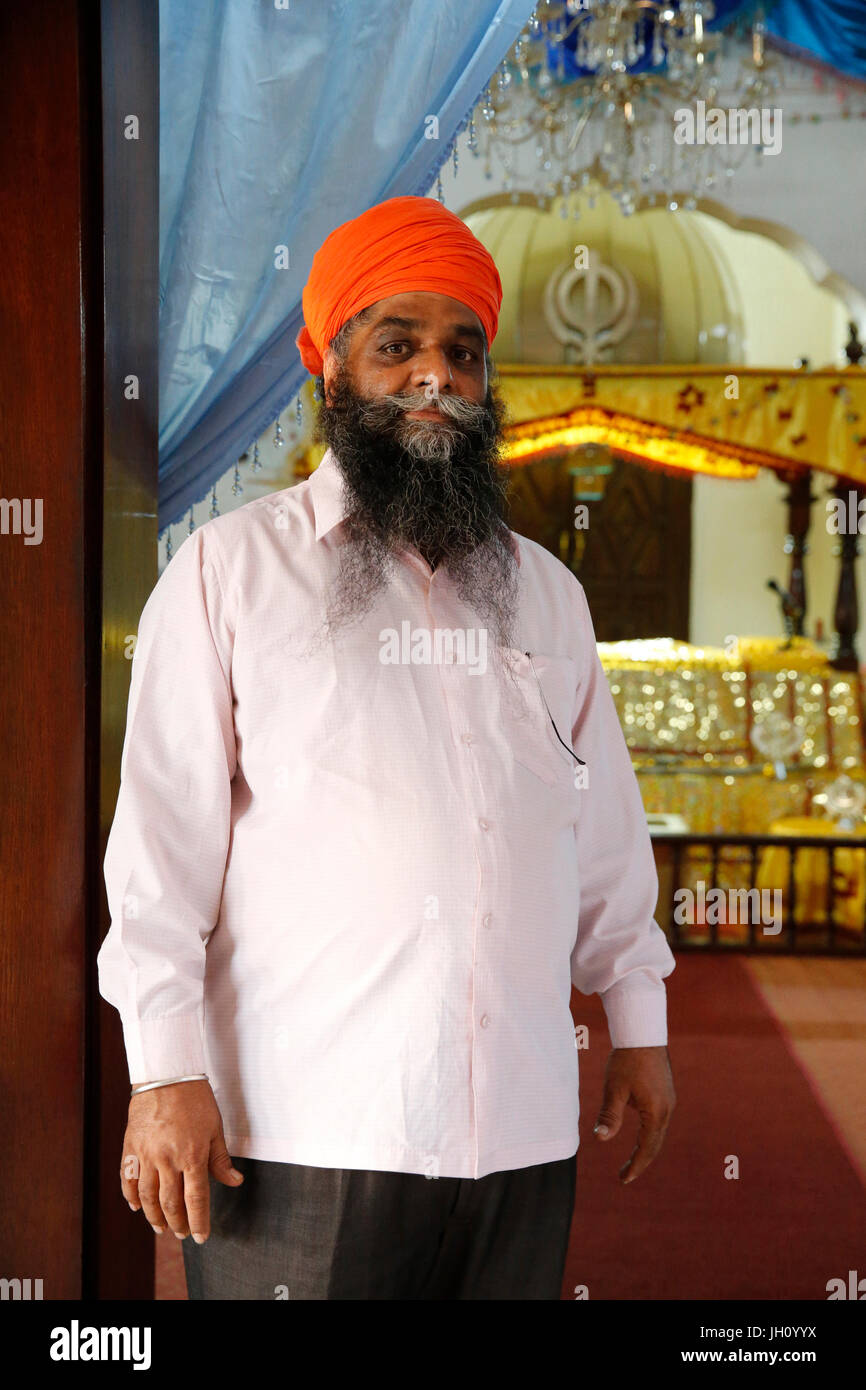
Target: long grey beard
pixel 439 488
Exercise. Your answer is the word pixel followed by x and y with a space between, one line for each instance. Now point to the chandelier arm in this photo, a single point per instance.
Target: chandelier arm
pixel 582 123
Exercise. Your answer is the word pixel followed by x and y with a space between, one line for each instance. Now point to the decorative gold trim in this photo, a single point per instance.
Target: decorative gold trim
pixel 674 451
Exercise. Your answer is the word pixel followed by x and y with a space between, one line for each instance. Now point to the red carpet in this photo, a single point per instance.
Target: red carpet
pixel 794 1219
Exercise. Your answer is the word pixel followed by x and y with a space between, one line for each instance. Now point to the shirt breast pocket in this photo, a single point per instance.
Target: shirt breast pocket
pixel 546 687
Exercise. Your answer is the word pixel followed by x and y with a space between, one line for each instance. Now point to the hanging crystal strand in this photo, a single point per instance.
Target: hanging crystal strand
pixel 299 413
pixel 279 442
pixel 547 154
pixel 237 485
pixel 168 546
pixel 507 180
pixel 658 48
pixel 439 194
pixel 697 169
pixel 317 395
pixel 257 463
pixel 454 157
pixel 559 39
pixel 214 504
pixel 191 526
pixel 472 140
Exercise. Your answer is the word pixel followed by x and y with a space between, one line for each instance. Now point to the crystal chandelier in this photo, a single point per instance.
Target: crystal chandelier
pixel 595 89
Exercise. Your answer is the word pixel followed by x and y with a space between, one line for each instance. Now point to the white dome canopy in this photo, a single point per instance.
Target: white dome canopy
pixel 655 287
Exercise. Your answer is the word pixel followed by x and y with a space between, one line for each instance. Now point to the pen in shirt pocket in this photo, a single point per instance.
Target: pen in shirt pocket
pixel 549 715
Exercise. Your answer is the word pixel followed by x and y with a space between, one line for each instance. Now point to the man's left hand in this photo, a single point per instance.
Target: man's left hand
pixel 639 1077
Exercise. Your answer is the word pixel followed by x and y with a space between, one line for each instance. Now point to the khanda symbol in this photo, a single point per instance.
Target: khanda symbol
pixel 590 308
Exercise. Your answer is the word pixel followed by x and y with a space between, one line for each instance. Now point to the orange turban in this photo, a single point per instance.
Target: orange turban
pixel 397 246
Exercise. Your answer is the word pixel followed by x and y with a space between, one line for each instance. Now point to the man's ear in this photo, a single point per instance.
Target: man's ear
pixel 329 372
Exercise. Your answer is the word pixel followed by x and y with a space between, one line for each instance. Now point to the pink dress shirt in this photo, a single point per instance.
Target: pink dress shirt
pixel 356 886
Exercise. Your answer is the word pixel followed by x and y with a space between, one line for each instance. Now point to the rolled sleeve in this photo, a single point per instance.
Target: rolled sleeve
pixel 166 852
pixel 621 953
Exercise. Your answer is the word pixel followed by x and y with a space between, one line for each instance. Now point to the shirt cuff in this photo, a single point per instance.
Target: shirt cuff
pixel 159 1048
pixel 636 1017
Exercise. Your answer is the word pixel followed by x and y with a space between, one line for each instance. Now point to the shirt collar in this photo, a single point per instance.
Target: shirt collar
pixel 326 486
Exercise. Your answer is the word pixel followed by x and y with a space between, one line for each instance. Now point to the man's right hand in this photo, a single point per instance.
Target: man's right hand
pixel 174 1138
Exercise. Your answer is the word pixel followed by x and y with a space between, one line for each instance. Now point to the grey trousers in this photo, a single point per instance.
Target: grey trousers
pixel 341 1233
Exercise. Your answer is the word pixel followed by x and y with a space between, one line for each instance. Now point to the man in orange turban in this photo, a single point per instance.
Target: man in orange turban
pixel 392 1005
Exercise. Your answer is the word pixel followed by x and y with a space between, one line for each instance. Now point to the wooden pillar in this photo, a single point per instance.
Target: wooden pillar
pixel 65 251
pixel 846 614
pixel 799 498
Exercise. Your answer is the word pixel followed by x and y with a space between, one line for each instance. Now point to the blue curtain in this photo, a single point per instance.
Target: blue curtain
pixel 277 124
pixel 832 30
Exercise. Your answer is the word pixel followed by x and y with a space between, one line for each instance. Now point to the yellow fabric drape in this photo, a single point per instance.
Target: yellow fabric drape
pixel 721 420
pixel 811 872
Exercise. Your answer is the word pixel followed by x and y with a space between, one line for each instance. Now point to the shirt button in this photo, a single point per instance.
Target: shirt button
pixel 467 738
pixel 485 824
pixel 487 919
pixel 485 1021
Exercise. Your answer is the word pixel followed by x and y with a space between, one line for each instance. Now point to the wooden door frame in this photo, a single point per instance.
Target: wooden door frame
pixel 79 304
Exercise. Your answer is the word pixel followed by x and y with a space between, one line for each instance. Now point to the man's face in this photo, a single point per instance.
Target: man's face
pixel 416 428
pixel 418 342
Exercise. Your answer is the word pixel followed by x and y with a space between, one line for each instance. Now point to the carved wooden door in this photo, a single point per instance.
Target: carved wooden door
pixel 633 558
